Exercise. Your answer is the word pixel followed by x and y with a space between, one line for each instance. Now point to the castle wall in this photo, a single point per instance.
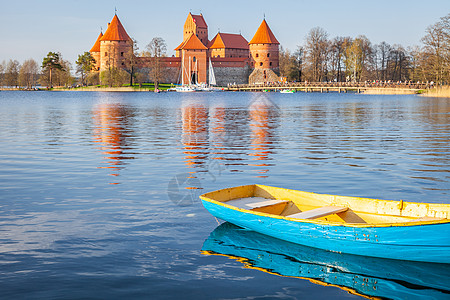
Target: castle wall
pixel 226 75
pixel 171 68
pixel 225 52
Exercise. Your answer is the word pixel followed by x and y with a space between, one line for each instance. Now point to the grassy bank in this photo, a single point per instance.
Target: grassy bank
pixel 145 87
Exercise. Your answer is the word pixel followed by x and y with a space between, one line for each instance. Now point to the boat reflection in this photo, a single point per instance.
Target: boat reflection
pixel 364 276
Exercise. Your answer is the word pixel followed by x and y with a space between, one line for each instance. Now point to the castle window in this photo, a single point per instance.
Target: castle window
pixel 123 63
pixel 194 59
pixel 261 64
pixel 121 53
pixel 268 54
pixel 257 55
pixel 106 53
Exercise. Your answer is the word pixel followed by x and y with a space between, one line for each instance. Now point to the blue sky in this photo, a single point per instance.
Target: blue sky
pixel 30 29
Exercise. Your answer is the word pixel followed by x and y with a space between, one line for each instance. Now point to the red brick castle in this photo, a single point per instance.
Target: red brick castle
pixel 234 59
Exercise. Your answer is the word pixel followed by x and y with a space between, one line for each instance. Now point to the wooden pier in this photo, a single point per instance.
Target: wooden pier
pixel 340 87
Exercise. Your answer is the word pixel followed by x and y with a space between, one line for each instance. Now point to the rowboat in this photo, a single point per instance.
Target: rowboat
pixel 361 226
pixel 287 91
pixel 370 277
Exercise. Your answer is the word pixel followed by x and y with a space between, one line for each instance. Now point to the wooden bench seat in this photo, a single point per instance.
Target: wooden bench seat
pixel 318 212
pixel 253 202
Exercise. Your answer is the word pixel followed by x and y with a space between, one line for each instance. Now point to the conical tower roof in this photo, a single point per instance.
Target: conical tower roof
pixel 264 35
pixel 115 31
pixel 191 43
pixel 96 47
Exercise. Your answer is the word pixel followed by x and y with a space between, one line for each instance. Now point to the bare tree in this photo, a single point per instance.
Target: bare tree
pixel 383 51
pixel 156 49
pixel 131 60
pixel 29 73
pixel 337 54
pixel 2 73
pixel 316 52
pixel 12 73
pixel 300 58
pixel 437 50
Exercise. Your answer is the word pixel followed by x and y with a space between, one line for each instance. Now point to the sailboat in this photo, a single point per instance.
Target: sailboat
pixel 185 88
pixel 211 81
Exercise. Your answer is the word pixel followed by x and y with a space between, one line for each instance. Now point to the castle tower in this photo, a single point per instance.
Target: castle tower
pixel 195 24
pixel 194 56
pixel 115 45
pixel 95 52
pixel 264 55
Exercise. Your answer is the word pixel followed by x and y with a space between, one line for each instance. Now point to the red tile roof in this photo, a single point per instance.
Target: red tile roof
pixel 228 40
pixel 264 35
pixel 191 43
pixel 96 47
pixel 199 21
pixel 115 31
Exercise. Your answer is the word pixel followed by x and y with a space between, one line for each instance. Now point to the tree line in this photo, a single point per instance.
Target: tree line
pixel 56 71
pixel 320 59
pixel 324 59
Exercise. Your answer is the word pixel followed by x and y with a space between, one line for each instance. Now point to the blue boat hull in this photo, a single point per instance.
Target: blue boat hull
pixel 429 243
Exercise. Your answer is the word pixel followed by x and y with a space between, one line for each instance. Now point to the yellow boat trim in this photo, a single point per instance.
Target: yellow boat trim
pixel 399 204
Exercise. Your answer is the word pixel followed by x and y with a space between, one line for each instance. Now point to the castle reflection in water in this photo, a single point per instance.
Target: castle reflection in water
pixel 217 138
pixel 213 138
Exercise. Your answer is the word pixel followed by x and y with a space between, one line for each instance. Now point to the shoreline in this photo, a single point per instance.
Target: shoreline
pixel 439 92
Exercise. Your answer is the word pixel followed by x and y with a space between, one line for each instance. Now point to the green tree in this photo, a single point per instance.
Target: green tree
pixel 50 63
pixel 85 64
pixel 156 49
pixel 114 77
pixel 357 57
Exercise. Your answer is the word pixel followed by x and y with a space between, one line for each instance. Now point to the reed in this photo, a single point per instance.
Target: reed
pixel 442 92
pixel 389 91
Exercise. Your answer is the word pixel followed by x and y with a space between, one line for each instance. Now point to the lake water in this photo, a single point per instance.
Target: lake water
pixel 99 191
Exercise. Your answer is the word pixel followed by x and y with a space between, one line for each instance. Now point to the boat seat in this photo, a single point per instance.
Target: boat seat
pixel 253 202
pixel 318 212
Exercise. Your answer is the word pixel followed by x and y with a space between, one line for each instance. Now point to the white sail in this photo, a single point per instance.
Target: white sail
pixel 182 68
pixel 212 78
